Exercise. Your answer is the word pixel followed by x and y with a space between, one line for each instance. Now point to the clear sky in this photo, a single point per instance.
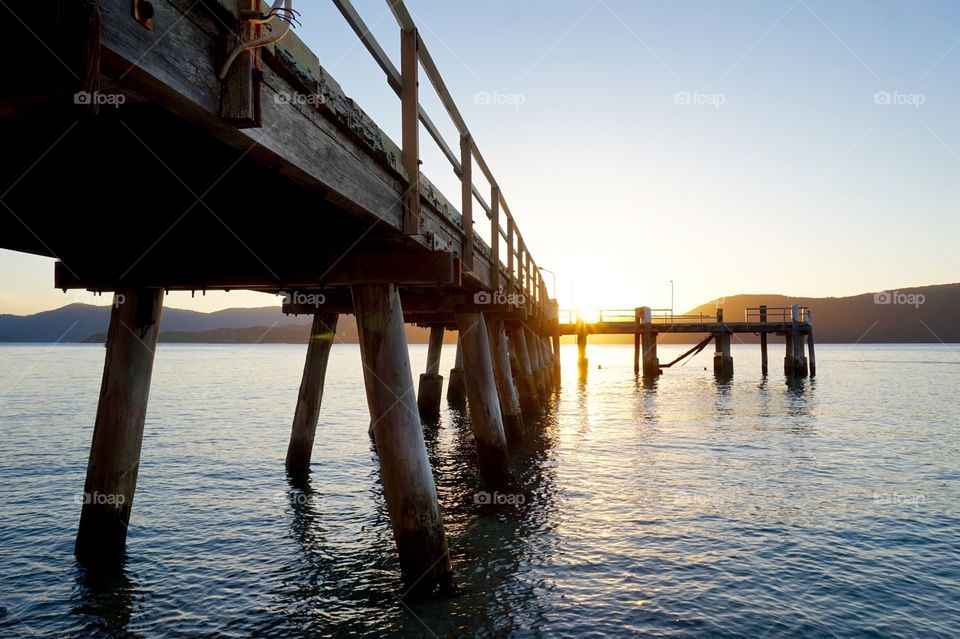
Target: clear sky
pixel 806 147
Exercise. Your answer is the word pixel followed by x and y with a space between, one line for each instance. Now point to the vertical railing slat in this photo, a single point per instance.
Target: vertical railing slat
pixel 494 237
pixel 466 194
pixel 410 116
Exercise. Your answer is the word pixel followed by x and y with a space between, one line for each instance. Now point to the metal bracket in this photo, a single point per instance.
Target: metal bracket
pixel 143 13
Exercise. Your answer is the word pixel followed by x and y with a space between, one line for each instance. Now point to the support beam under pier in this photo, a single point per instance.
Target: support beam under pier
pixel 526 386
pixel 582 361
pixel 722 359
pixel 556 357
pixel 118 431
pixel 813 355
pixel 492 456
pixel 763 343
pixel 300 449
pixel 457 387
pixel 794 363
pixel 651 364
pixel 431 383
pixel 536 363
pixel 408 485
pixel 546 366
pixel 509 398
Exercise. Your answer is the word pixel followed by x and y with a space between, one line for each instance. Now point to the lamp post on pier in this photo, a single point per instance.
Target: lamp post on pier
pixel 671 300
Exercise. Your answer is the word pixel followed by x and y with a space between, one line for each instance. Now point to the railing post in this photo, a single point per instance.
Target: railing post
pixel 466 196
pixel 521 281
pixel 410 116
pixel 511 274
pixel 529 278
pixel 495 237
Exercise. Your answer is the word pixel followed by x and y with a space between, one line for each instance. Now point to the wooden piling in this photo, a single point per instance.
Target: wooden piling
pixel 526 386
pixel 763 342
pixel 307 413
pixel 556 357
pixel 722 359
pixel 457 387
pixel 638 320
pixel 408 485
pixel 485 415
pixel 651 364
pixel 430 389
pixel 536 363
pixel 810 350
pixel 118 430
pixel 545 362
pixel 502 372
pixel 798 362
pixel 582 361
pixel 788 354
pixel 551 361
pixel 515 367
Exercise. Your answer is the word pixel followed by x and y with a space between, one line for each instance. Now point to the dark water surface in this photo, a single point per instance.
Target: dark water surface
pixel 829 508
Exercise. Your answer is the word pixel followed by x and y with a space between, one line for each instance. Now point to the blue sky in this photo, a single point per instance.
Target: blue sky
pixel 729 146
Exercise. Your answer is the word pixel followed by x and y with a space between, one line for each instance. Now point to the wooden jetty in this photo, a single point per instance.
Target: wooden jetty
pixel 794 323
pixel 198 145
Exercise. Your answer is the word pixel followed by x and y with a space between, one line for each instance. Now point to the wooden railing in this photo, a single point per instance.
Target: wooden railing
pixel 520 271
pixel 777 314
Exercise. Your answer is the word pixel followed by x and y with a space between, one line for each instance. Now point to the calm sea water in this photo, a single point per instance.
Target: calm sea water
pixel 829 508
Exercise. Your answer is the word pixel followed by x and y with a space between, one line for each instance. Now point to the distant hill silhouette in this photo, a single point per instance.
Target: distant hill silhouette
pixel 859 318
pixel 76 322
pixel 86 323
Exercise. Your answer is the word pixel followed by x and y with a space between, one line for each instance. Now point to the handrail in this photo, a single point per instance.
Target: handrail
pixel 783 313
pixel 522 271
pixel 770 314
